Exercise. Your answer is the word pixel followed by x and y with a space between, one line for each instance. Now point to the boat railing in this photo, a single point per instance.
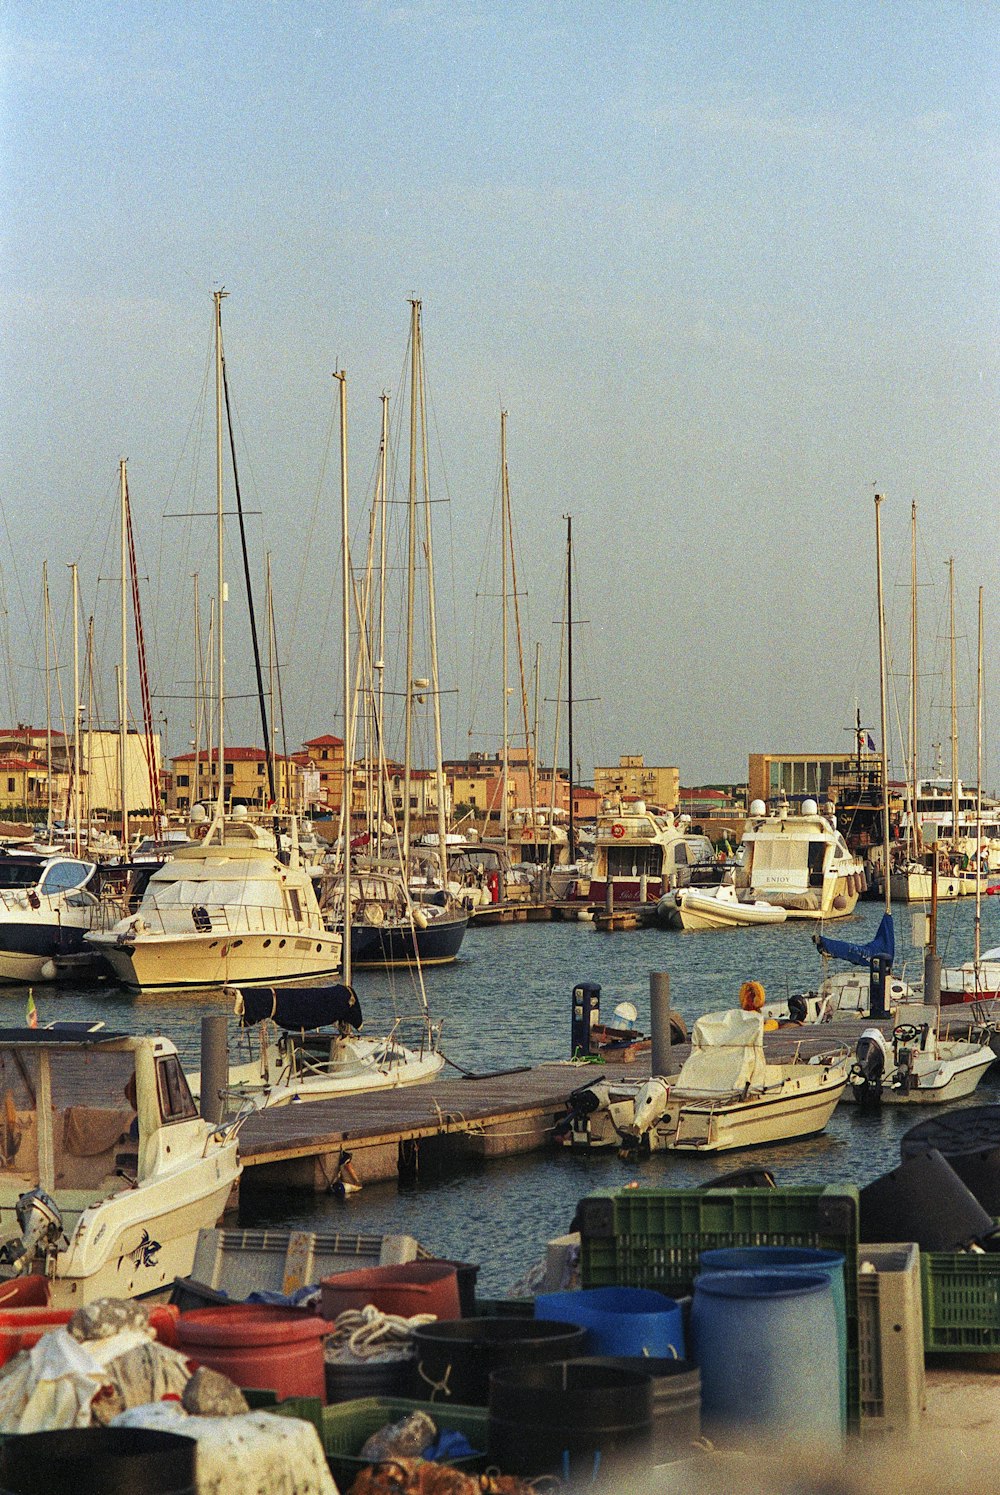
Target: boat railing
pixel 222 919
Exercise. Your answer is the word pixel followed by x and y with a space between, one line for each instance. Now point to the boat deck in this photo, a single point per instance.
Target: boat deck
pixel 419 1127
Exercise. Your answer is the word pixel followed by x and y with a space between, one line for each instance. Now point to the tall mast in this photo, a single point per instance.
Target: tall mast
pixel 123 680
pixel 76 708
pixel 383 475
pixel 432 629
pixel 219 814
pixel 569 676
pixel 199 670
pixel 505 772
pixel 979 790
pixel 883 708
pixel 914 846
pixel 411 561
pixel 46 615
pixel 954 705
pixel 347 789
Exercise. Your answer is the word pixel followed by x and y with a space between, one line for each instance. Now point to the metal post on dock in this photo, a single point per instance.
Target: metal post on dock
pixel 659 1022
pixel 214 1064
pixel 609 896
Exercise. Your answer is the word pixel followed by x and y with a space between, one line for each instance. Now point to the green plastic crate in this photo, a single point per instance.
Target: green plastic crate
pixel 347 1425
pixel 653 1238
pixel 961 1299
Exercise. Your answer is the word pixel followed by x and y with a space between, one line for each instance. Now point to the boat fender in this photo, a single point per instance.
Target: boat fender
pixel 419 918
pixel 752 996
pixel 840 901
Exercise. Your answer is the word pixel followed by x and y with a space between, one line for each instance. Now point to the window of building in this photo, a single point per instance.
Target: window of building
pixel 229 769
pixel 11 785
pixel 182 781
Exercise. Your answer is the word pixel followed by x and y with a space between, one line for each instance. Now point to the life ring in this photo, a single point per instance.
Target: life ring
pixel 618 830
pixel 751 996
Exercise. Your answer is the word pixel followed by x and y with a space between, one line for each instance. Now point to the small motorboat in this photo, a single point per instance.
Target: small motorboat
pixel 107 1171
pixel 920 1067
pixel 728 1095
pixel 722 907
pixel 844 994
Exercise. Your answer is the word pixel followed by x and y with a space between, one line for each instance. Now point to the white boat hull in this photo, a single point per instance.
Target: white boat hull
pixel 801 1108
pixel 948 1081
pixel 361 1072
pixel 172 961
pixel 699 910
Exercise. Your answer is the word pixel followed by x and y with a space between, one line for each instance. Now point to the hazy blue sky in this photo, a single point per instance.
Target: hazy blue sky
pixel 728 268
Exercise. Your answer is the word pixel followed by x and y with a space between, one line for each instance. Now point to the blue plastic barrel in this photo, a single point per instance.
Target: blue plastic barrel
pixel 808 1259
pixel 766 1344
pixel 620 1320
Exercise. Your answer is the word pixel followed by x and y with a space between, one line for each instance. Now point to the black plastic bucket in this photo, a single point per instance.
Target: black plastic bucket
pixel 676 1400
pixel 570 1420
pixel 455 1357
pixel 923 1200
pixel 346 1381
pixel 99 1461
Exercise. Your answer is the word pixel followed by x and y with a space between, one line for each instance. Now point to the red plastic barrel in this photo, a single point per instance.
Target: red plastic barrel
pixel 258 1346
pixel 415 1287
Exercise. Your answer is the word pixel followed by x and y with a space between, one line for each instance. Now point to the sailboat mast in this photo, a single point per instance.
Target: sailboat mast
pixel 411 564
pixel 347 789
pixel 76 708
pixel 199 667
pixel 979 791
pixel 46 616
pixel 432 628
pixel 914 847
pixel 954 706
pixel 883 707
pixel 219 814
pixel 505 772
pixel 569 677
pixel 123 681
pixel 383 475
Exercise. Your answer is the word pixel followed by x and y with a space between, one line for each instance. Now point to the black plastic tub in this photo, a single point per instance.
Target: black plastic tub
pixel 457 1355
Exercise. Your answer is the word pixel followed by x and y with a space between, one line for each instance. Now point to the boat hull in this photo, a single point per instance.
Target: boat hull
pixel 961 1083
pixel 707 1126
pixel 403 944
pixel 172 962
pixel 703 911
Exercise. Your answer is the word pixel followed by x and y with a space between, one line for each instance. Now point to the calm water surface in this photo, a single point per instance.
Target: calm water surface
pixel 506 1002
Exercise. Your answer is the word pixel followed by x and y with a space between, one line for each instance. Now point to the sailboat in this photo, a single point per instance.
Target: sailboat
pixel 224 908
pixel 320 1051
pixel 399 916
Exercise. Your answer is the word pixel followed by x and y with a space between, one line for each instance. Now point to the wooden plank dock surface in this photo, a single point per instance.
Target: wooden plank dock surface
pixel 493 1115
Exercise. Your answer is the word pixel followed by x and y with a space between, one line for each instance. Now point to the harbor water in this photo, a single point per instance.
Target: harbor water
pixel 506 1003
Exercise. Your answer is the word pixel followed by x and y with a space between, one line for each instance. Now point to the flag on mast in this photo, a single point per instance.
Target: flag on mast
pixel 32 1013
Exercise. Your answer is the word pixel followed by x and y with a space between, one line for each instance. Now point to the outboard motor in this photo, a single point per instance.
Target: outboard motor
pixel 650 1104
pixel 869 1066
pixel 797 1008
pixel 41 1229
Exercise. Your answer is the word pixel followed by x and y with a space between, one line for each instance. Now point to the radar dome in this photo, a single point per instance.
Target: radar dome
pixel 809 807
pixel 758 808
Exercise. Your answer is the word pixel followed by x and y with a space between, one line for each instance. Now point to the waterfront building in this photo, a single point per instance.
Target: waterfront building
pixel 634 779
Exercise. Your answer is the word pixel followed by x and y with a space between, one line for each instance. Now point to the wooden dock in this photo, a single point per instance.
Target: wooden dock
pixel 422 1127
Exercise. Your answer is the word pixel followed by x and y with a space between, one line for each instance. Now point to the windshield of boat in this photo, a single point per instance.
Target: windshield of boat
pixel 62 876
pixel 19 874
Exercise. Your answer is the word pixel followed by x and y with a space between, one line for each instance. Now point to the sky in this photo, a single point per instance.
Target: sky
pixel 730 270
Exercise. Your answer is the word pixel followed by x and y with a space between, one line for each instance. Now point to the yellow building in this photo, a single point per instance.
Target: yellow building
pixel 246 780
pixel 634 779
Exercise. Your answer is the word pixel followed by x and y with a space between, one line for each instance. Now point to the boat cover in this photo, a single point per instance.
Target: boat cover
pixel 298 1007
pixel 727 1054
pixel 882 945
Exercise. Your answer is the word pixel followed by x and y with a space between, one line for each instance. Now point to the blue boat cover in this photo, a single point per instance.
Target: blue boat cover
pixel 299 1007
pixel 881 945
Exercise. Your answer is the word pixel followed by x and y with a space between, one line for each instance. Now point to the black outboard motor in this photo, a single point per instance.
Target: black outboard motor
pixel 797 1009
pixel 869 1067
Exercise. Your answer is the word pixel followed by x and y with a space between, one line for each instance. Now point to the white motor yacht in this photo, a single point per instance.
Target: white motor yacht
pixel 107 1171
pixel 799 862
pixel 46 909
pixel 224 908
